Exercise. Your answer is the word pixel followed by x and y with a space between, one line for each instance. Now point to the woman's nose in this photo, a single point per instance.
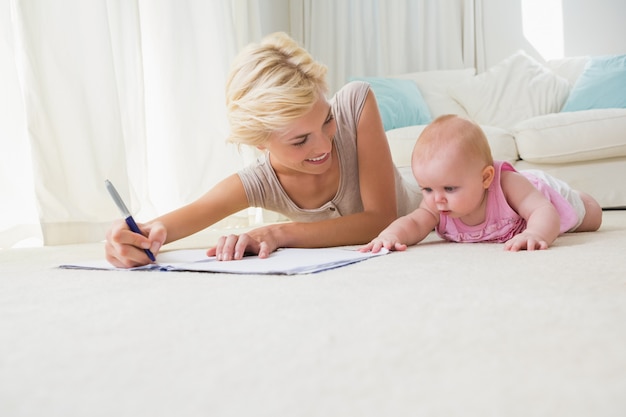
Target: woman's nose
pixel 322 142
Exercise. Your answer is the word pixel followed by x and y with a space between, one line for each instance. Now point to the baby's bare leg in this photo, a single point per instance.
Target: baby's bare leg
pixel 593 214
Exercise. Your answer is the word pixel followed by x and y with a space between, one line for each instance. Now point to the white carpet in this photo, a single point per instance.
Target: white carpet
pixel 440 330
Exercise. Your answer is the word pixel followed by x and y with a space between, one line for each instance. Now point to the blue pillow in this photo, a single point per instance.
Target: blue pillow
pixel 399 101
pixel 602 85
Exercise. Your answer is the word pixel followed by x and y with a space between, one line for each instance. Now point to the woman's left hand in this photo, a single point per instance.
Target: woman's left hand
pixel 261 242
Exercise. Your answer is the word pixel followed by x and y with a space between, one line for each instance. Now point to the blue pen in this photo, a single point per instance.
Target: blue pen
pixel 129 219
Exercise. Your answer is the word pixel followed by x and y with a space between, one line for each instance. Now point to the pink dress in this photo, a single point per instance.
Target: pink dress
pixel 502 222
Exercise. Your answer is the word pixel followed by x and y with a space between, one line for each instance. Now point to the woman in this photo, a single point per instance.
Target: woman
pixel 326 164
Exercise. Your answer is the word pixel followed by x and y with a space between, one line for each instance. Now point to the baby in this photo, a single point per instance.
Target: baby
pixel 469 197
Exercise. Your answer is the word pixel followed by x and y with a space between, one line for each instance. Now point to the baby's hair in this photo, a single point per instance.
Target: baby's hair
pixel 451 132
pixel 271 84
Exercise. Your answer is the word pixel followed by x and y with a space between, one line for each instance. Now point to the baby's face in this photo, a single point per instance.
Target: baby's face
pixel 452 186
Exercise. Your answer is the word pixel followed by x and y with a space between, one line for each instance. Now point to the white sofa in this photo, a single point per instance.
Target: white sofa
pixel 518 103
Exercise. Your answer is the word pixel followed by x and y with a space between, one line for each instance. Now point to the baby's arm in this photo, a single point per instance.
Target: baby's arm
pixel 542 219
pixel 404 231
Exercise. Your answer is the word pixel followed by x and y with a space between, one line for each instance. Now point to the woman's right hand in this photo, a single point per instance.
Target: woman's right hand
pixel 126 249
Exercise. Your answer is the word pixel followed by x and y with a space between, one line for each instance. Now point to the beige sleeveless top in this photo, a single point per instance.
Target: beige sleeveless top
pixel 264 190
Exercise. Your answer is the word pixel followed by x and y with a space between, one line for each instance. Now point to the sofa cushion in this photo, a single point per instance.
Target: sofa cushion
pixel 399 101
pixel 602 85
pixel 569 68
pixel 514 90
pixel 573 136
pixel 434 88
pixel 401 142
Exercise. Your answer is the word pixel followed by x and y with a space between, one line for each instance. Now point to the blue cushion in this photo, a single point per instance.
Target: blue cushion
pixel 399 101
pixel 602 85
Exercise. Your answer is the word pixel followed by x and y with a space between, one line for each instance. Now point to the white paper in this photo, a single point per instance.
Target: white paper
pixel 288 261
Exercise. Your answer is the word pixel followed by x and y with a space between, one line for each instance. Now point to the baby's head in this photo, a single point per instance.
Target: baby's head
pixel 455 140
pixel 453 165
pixel 271 85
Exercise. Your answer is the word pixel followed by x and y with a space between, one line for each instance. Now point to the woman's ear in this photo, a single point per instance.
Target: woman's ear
pixel 488 174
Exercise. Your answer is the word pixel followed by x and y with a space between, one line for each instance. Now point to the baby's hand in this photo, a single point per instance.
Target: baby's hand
pixel 525 240
pixel 390 242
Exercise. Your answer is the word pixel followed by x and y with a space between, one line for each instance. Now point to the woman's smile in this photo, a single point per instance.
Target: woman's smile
pixel 320 159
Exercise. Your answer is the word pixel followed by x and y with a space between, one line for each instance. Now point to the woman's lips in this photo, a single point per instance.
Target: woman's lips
pixel 320 159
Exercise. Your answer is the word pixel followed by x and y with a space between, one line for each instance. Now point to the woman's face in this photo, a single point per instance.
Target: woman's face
pixel 306 145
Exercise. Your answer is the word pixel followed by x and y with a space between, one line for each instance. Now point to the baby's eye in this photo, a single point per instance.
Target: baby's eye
pixel 449 189
pixel 427 190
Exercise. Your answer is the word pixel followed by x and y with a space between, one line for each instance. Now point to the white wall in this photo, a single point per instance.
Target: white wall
pixel 588 28
pixel 594 27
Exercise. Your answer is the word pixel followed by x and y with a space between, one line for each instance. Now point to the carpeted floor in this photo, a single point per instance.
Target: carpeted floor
pixel 440 330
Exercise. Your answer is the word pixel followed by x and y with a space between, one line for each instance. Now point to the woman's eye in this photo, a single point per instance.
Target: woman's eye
pixel 302 142
pixel 330 119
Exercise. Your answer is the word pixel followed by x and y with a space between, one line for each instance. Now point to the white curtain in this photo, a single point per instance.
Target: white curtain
pixel 18 210
pixel 133 91
pixel 129 90
pixel 384 37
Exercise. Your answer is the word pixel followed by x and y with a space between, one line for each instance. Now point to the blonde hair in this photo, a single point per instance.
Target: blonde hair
pixel 453 133
pixel 270 85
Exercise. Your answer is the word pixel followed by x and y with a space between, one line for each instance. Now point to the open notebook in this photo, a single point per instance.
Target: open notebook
pixel 288 261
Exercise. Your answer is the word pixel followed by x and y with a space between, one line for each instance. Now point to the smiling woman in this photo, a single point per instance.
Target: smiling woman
pixel 326 164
